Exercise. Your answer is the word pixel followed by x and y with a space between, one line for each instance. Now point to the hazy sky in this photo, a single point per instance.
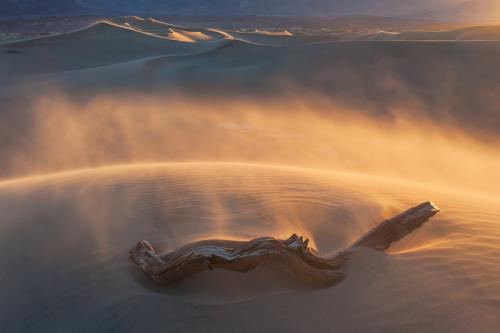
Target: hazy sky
pixel 435 9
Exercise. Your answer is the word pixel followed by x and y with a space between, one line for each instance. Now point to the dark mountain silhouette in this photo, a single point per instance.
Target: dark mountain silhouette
pixel 38 7
pixel 435 9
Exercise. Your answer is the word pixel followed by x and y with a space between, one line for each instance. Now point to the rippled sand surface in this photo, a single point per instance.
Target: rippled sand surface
pixel 65 237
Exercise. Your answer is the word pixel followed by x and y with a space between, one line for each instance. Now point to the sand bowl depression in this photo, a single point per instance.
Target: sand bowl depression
pixel 71 232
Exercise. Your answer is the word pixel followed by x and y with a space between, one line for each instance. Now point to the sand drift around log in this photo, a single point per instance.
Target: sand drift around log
pixel 291 255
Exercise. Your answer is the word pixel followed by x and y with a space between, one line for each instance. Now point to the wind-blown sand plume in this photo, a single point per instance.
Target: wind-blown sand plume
pixel 433 77
pixel 135 129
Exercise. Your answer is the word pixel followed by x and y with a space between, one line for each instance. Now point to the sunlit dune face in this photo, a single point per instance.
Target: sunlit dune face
pixel 179 36
pixel 197 35
pixel 273 33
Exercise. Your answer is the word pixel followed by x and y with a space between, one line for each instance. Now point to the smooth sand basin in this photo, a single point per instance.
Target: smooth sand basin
pixel 71 233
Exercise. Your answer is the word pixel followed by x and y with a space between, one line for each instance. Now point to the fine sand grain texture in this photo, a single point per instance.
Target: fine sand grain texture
pixel 132 128
pixel 70 269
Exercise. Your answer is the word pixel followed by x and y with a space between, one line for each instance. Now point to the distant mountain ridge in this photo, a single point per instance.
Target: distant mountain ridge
pixel 39 7
pixel 435 9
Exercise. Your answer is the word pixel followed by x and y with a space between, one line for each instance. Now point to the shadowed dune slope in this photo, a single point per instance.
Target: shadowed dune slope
pixel 442 79
pixel 445 80
pixel 101 44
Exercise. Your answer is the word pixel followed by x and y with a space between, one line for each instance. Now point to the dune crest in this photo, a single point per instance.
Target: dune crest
pixel 273 33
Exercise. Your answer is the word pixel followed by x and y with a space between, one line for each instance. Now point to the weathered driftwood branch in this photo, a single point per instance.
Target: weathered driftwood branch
pixel 292 255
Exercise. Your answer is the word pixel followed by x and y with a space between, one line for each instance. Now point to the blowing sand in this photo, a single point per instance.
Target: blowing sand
pixel 133 129
pixel 82 223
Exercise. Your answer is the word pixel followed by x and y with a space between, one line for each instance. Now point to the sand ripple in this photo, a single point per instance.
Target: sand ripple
pixel 71 233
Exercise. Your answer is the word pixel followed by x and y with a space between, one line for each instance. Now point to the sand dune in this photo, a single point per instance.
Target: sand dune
pixel 133 128
pixel 159 28
pixel 191 34
pixel 273 33
pixel 447 271
pixel 100 44
pixel 187 36
pixel 436 76
pixel 479 33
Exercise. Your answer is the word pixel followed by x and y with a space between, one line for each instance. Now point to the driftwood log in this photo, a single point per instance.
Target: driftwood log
pixel 291 255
